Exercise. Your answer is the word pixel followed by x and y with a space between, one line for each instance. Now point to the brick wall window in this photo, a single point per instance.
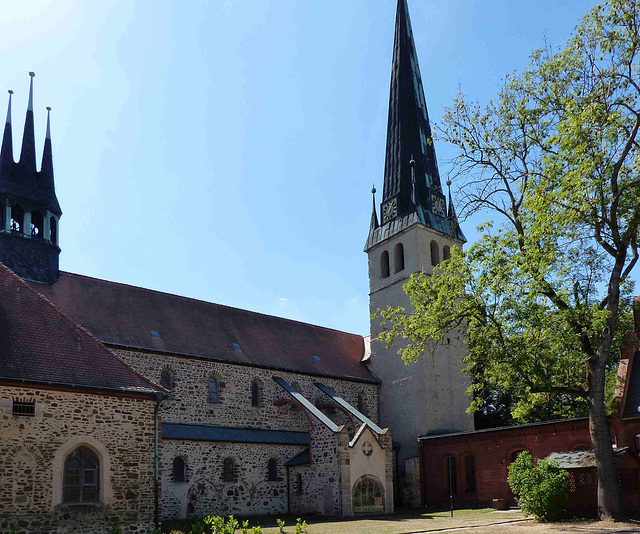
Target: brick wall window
pixel 81 472
pixel 24 407
pixel 470 474
pixel 179 469
pixel 451 475
pixel 228 468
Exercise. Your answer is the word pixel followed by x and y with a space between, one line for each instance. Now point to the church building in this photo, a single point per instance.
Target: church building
pixel 124 403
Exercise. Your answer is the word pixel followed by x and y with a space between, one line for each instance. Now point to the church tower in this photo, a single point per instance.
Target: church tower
pixel 29 209
pixel 417 230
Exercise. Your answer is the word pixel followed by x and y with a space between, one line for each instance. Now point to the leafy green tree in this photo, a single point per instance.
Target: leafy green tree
pixel 542 488
pixel 540 297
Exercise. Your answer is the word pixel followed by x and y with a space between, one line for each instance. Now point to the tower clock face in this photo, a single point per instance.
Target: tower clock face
pixel 390 210
pixel 437 206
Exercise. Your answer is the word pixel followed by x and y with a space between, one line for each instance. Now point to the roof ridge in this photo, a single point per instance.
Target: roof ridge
pixel 209 302
pixel 77 326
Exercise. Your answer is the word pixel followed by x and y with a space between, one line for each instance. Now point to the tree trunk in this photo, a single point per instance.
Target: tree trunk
pixel 609 507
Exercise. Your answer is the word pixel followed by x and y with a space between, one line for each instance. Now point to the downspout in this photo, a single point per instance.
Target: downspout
pixel 156 489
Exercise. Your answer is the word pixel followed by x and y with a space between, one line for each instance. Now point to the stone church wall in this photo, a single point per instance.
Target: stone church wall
pixel 251 493
pixel 190 394
pixel 120 430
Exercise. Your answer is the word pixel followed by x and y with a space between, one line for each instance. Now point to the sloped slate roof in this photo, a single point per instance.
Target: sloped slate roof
pixel 232 434
pixel 302 458
pixel 38 343
pixel 579 459
pixel 123 315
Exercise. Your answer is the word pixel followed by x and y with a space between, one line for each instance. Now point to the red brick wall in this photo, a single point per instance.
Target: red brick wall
pixel 492 451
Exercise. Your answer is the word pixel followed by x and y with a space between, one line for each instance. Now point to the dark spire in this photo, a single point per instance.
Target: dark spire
pixel 6 153
pixel 408 130
pixel 374 215
pixel 46 169
pixel 28 152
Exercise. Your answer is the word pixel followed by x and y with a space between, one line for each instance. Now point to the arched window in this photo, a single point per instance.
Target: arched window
pixel 384 264
pixel 398 258
pixel 272 470
pixel 213 390
pixel 81 476
pixel 362 406
pixel 368 496
pixel 470 474
pixel 191 510
pixel 17 218
pixel 435 254
pixel 53 229
pixel 37 225
pixel 446 252
pixel 228 474
pixel 514 455
pixel 166 379
pixel 179 471
pixel 299 484
pixel 255 393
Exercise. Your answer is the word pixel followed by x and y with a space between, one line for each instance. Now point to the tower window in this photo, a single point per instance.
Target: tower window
pixel 398 258
pixel 446 252
pixel 53 229
pixel 435 254
pixel 17 218
pixel 384 264
pixel 37 225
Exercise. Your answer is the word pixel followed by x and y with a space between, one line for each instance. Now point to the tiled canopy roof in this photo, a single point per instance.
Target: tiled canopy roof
pixel 38 343
pixel 128 316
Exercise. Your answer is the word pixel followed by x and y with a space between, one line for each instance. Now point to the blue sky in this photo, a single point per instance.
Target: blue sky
pixel 225 150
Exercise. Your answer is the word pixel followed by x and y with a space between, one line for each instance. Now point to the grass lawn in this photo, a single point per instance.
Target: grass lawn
pixel 406 521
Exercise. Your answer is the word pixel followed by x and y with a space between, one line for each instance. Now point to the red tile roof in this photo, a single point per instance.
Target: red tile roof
pixel 38 343
pixel 123 315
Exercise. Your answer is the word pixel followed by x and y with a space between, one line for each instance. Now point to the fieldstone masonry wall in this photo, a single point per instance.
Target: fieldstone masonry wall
pixel 190 393
pixel 119 430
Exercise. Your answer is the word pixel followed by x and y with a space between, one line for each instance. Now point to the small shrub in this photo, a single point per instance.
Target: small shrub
pixel 280 525
pixel 256 530
pixel 116 527
pixel 13 529
pixel 542 487
pixel 245 527
pixel 301 526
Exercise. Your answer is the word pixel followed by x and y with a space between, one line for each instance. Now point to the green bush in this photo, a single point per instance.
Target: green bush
pixel 542 487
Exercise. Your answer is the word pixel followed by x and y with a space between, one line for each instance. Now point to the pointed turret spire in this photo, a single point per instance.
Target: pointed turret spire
pixel 6 153
pixel 374 216
pixel 46 169
pixel 28 152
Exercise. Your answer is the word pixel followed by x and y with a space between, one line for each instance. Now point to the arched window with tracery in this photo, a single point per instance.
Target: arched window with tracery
pixel 384 264
pixel 368 496
pixel 81 477
pixel 398 258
